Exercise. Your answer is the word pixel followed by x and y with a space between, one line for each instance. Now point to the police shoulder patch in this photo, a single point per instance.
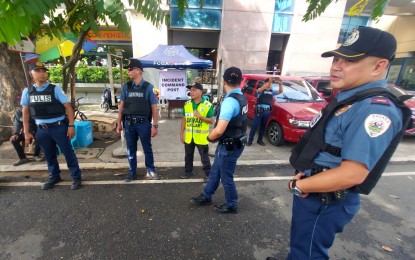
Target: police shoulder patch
pixel 376 124
pixel 380 100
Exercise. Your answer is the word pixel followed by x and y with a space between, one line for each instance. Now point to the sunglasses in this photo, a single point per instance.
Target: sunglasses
pixel 131 69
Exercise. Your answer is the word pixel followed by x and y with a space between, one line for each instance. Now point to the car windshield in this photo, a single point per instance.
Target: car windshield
pixel 297 91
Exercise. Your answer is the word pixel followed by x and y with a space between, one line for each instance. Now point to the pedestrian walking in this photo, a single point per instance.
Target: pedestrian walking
pixel 48 105
pixel 349 144
pixel 230 133
pixel 197 116
pixel 138 116
pixel 17 139
pixel 265 98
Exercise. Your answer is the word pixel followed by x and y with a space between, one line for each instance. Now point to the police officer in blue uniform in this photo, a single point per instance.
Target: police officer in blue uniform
pixel 49 106
pixel 230 133
pixel 265 95
pixel 138 115
pixel 348 145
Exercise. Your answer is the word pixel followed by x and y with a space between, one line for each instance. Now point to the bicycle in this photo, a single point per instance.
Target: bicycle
pixel 77 112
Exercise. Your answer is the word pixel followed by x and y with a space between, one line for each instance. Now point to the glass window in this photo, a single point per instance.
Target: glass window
pixel 297 91
pixel 283 16
pixel 196 18
pixel 196 3
pixel 284 6
pixel 349 23
pixel 282 23
pixel 407 80
pixel 249 86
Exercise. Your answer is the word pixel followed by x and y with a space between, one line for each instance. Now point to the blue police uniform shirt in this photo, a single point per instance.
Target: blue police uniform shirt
pixel 230 106
pixel 150 95
pixel 363 130
pixel 59 94
pixel 265 105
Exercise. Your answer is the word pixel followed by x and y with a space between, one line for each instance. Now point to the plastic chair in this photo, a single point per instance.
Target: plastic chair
pixel 162 105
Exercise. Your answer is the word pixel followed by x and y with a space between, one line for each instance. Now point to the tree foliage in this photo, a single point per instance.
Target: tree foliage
pixel 25 17
pixel 317 7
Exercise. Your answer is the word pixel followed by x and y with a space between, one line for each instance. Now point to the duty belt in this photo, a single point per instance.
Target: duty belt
pixel 135 119
pixel 46 126
pixel 261 109
pixel 327 197
pixel 231 142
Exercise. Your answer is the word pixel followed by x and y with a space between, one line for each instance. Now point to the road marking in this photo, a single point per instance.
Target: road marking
pixel 122 182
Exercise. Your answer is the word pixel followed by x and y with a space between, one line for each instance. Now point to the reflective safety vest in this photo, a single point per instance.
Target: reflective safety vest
pixel 196 129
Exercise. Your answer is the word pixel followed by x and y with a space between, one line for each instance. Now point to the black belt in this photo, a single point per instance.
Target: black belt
pixel 262 109
pixel 327 197
pixel 317 168
pixel 133 119
pixel 46 126
pixel 231 142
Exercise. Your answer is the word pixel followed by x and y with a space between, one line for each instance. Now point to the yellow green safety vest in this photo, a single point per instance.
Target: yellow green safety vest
pixel 196 128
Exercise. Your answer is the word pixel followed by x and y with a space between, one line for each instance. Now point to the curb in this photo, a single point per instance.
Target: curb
pixel 122 166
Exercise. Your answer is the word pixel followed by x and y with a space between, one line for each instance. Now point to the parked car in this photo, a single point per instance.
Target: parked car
pixel 291 111
pixel 322 85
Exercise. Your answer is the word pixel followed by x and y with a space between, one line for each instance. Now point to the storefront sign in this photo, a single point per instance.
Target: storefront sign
pixel 110 36
pixel 173 84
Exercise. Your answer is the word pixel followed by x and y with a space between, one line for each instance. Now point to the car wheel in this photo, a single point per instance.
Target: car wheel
pixel 275 134
pixel 104 107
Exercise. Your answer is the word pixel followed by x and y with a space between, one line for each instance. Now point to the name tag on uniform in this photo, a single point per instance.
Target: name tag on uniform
pixel 40 98
pixel 135 94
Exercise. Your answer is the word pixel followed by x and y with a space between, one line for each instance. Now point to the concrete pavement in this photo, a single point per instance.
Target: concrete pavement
pixel 169 152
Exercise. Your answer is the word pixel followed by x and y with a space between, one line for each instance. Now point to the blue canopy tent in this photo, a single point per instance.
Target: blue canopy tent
pixel 173 56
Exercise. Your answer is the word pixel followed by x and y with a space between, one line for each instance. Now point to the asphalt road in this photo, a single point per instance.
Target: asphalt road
pixel 107 219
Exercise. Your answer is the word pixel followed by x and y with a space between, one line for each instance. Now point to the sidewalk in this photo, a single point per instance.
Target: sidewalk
pixel 169 152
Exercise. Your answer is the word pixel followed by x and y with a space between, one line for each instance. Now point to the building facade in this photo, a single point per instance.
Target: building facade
pixel 255 35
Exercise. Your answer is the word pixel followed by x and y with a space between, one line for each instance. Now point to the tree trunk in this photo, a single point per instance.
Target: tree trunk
pixel 12 82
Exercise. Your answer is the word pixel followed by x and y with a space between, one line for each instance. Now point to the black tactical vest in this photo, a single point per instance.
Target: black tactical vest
pixel 237 125
pixel 313 141
pixel 265 97
pixel 44 105
pixel 136 102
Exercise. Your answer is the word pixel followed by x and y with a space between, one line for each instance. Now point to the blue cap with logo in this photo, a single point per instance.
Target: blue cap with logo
pixel 37 65
pixel 233 75
pixel 134 63
pixel 364 42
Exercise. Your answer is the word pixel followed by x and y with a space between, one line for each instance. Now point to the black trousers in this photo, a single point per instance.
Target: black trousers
pixel 189 156
pixel 17 144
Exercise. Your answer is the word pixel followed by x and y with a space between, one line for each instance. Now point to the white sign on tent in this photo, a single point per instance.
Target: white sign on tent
pixel 173 84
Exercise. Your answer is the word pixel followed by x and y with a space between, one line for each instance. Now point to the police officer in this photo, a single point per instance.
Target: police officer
pixel 349 143
pixel 137 108
pixel 265 95
pixel 48 105
pixel 230 133
pixel 198 114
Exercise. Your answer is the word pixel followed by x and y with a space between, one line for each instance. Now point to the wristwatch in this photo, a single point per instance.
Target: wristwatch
pixel 156 126
pixel 296 191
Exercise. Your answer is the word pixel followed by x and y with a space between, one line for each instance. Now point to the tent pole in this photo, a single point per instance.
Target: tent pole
pixel 24 70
